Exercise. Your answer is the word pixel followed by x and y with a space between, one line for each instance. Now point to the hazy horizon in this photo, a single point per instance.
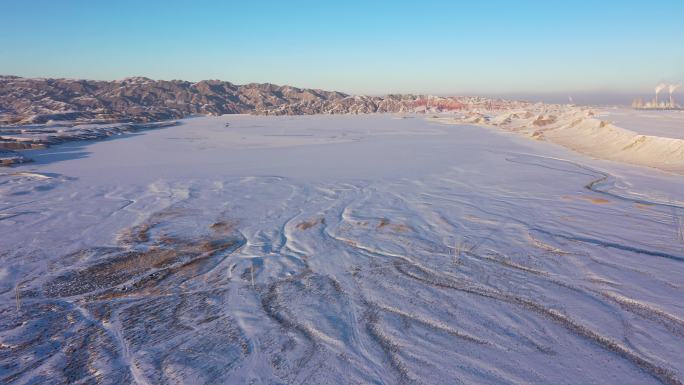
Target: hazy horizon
pixel 385 47
pixel 597 97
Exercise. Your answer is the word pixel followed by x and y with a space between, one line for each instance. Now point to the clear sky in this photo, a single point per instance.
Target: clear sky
pixel 374 47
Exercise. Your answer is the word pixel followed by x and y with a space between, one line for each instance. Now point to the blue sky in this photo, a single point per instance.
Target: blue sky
pixel 443 47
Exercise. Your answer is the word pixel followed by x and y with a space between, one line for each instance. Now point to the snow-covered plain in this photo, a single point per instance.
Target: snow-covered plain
pixel 669 124
pixel 645 138
pixel 341 250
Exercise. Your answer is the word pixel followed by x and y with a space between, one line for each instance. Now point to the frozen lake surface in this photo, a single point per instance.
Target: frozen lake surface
pixel 373 249
pixel 668 124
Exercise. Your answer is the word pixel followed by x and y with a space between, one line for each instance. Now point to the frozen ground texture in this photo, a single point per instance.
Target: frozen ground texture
pixel 317 250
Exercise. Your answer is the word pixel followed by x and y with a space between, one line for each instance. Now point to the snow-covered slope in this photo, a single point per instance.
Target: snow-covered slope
pixel 328 250
pixel 580 129
pixel 37 101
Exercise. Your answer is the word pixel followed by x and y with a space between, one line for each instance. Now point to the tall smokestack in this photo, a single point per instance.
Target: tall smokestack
pixel 659 88
pixel 672 88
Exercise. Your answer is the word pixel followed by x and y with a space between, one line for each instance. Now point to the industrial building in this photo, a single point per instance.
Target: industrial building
pixel 658 102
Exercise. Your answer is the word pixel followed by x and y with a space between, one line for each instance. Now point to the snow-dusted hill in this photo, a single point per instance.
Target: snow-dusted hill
pixel 338 249
pixel 654 139
pixel 37 101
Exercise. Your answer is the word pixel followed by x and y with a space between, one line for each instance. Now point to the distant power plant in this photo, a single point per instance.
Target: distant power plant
pixel 657 104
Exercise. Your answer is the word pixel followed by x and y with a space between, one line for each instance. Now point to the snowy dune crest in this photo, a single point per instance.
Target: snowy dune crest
pixel 579 129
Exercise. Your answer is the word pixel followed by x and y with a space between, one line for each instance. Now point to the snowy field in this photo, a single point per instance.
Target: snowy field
pixel 374 249
pixel 668 124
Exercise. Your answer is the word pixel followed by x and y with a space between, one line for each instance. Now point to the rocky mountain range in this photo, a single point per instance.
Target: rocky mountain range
pixel 138 99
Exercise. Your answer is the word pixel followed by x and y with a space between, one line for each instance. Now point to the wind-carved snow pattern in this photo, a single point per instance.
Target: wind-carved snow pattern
pixel 460 276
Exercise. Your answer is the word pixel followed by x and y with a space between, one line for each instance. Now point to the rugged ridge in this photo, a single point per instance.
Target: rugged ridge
pixel 139 99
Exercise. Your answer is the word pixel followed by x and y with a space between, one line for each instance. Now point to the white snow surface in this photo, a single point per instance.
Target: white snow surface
pixel 338 250
pixel 668 124
pixel 653 139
